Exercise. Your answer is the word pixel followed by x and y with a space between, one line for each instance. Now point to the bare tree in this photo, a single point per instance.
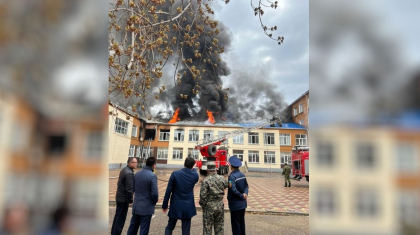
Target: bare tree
pixel 146 35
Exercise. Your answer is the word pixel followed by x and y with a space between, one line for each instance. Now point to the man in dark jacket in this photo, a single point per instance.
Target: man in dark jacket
pixel 124 195
pixel 145 198
pixel 237 195
pixel 181 191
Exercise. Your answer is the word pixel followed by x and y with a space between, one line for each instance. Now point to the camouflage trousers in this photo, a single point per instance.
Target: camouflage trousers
pixel 213 215
pixel 287 179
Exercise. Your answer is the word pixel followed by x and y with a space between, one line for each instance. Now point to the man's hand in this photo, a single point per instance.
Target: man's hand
pixel 245 196
pixel 165 210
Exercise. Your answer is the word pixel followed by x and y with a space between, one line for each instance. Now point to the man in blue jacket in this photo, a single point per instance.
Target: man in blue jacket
pixel 181 191
pixel 145 198
pixel 237 195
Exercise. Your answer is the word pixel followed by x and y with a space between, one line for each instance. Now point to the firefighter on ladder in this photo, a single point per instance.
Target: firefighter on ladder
pixel 286 172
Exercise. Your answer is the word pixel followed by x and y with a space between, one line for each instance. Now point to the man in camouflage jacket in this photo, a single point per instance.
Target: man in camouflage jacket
pixel 286 172
pixel 211 201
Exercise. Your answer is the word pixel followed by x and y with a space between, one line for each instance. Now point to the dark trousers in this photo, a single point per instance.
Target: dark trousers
pixel 142 221
pixel 237 221
pixel 186 226
pixel 119 218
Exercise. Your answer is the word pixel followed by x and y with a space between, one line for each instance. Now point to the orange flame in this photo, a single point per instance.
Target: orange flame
pixel 175 117
pixel 211 118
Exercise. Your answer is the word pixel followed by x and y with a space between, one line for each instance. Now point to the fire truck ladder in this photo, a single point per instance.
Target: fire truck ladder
pixel 220 138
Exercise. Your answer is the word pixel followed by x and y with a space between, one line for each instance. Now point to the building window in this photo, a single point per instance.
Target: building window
pixel 131 151
pixel 301 122
pixel 138 151
pixel 253 156
pixel 239 139
pixel 300 108
pixel 285 139
pixel 162 153
pixel 325 202
pixel 164 135
pixel 269 157
pixel 253 138
pixel 295 112
pixel 194 153
pixel 134 131
pixel 177 154
pixel 285 158
pixel 208 135
pixel 239 154
pixel 193 136
pixel 300 139
pixel 406 158
pixel 324 154
pixel 367 203
pixel 94 145
pixel 365 154
pixel 269 138
pixel 147 152
pixel 408 208
pixel 121 126
pixel 221 134
pixel 179 135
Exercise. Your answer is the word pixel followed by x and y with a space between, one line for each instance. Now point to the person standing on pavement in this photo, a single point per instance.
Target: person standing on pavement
pixel 286 172
pixel 181 191
pixel 145 198
pixel 211 201
pixel 237 196
pixel 124 195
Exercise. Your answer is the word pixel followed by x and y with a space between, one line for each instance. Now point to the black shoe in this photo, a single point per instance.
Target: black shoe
pixel 285 184
pixel 289 184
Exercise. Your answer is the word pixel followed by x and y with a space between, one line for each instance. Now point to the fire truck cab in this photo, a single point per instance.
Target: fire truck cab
pixel 219 156
pixel 300 162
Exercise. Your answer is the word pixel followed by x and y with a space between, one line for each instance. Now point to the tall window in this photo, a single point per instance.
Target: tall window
pixel 269 157
pixel 253 156
pixel 239 154
pixel 253 138
pixel 325 202
pixel 300 108
pixel 193 135
pixel 164 135
pixel 295 112
pixel 324 154
pixel 221 134
pixel 239 139
pixel 285 158
pixel 121 126
pixel 146 152
pixel 300 139
pixel 406 158
pixel 208 134
pixel 177 154
pixel 131 151
pixel 269 138
pixel 285 139
pixel 367 203
pixel 138 151
pixel 162 153
pixel 194 153
pixel 134 131
pixel 179 135
pixel 94 146
pixel 365 155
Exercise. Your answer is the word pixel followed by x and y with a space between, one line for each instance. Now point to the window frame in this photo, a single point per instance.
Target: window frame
pixel 269 155
pixel 268 136
pixel 163 150
pixel 289 139
pixel 180 153
pixel 255 136
pixel 179 133
pixel 191 135
pixel 117 123
pixel 252 154
pixel 164 133
pixel 135 132
pixel 300 139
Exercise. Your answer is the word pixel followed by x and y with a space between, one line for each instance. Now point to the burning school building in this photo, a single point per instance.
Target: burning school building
pixel 263 149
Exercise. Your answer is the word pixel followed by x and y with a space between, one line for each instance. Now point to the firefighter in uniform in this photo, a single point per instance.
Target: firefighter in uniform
pixel 237 195
pixel 286 172
pixel 211 201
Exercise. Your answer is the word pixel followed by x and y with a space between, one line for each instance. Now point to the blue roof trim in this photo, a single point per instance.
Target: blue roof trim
pixel 284 125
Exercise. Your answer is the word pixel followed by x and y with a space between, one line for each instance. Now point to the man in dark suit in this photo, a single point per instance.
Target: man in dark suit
pixel 124 195
pixel 145 198
pixel 181 191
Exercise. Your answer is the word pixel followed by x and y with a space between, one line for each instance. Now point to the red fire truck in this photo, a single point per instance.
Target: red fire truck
pixel 210 152
pixel 300 162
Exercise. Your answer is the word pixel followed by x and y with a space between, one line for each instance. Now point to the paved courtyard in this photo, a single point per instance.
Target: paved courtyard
pixel 266 192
